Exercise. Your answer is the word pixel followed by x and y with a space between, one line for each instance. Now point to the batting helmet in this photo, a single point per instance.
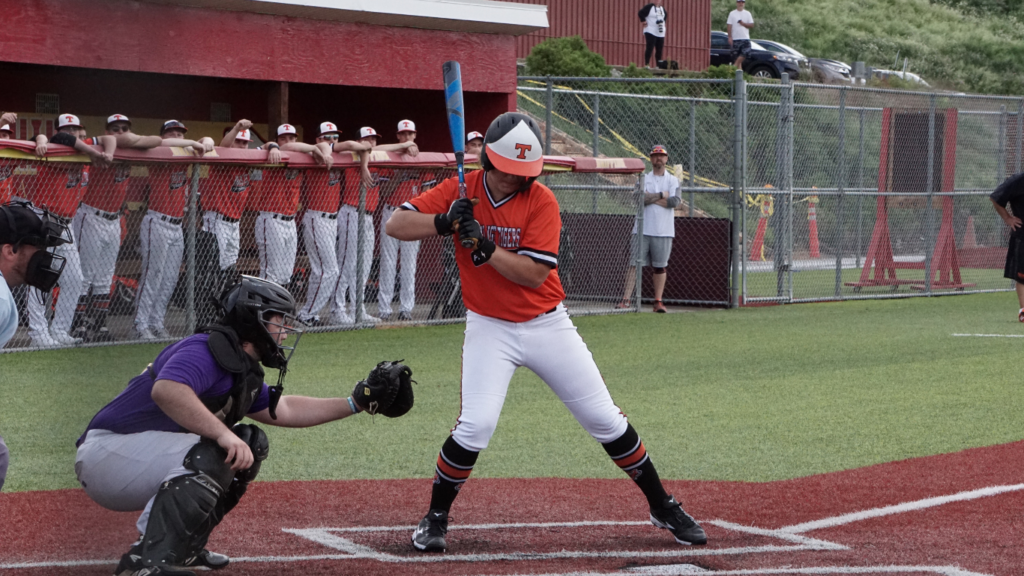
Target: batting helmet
pixel 512 145
pixel 248 307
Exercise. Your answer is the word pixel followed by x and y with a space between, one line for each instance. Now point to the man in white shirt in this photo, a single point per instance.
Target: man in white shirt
pixel 661 196
pixel 652 16
pixel 738 27
pixel 25 259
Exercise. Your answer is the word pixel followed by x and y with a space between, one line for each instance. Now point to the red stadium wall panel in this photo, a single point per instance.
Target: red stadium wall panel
pixel 145 37
pixel 611 28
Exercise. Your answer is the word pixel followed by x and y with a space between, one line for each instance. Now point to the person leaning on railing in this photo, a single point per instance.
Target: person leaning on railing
pixel 59 187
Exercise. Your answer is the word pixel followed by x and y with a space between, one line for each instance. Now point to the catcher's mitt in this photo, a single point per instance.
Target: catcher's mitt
pixel 387 390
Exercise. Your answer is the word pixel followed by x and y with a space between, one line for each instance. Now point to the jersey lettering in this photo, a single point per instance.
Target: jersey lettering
pixel 241 183
pixel 178 180
pixel 503 236
pixel 291 174
pixel 6 172
pixel 122 173
pixel 334 178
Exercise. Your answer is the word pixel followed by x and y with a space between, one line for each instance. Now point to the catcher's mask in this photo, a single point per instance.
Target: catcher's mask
pixel 22 224
pixel 258 310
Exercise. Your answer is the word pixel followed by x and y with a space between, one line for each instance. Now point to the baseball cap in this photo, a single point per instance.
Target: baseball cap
pixel 118 118
pixel 406 126
pixel 327 128
pixel 243 135
pixel 367 131
pixel 68 120
pixel 286 129
pixel 172 124
pixel 7 128
pixel 658 149
pixel 473 136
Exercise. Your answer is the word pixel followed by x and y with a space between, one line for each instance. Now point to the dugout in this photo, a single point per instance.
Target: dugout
pixel 211 62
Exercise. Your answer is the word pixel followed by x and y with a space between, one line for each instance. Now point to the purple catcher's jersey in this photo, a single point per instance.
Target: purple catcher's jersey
pixel 188 362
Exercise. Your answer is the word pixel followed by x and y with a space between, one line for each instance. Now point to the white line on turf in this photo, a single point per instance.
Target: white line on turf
pixel 900 508
pixel 993 335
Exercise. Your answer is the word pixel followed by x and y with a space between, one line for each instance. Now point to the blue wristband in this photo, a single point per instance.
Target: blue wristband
pixel 352 406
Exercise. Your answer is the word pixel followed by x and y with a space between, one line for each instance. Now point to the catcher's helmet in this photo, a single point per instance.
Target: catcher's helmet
pixel 248 306
pixel 512 145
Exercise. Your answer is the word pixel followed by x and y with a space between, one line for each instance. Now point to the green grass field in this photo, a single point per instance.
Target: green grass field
pixel 755 394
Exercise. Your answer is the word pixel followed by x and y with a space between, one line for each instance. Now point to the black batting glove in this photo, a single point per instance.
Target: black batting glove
pixel 470 231
pixel 461 209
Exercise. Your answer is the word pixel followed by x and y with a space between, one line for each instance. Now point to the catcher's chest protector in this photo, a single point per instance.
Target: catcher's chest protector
pixel 246 371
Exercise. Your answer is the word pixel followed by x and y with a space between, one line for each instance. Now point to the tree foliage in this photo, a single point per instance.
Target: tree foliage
pixel 567 56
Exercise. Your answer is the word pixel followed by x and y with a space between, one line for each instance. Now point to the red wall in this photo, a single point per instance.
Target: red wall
pixel 144 37
pixel 612 29
pixel 143 95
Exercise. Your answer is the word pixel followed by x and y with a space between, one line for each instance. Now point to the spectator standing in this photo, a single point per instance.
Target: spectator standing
pixel 653 18
pixel 738 27
pixel 1011 192
pixel 410 183
pixel 661 196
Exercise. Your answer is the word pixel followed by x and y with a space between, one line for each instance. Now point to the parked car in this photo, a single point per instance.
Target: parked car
pixel 760 64
pixel 825 69
pixel 908 76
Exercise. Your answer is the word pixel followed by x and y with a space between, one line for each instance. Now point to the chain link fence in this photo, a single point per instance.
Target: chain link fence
pixel 824 192
pixel 159 234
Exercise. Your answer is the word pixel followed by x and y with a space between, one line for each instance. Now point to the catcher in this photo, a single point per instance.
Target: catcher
pixel 172 443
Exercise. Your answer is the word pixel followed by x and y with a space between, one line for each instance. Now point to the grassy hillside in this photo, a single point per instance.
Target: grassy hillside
pixel 968 45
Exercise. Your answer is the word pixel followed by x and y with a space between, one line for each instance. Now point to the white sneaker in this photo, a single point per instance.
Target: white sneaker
pixel 161 332
pixel 370 319
pixel 42 340
pixel 63 338
pixel 144 333
pixel 341 319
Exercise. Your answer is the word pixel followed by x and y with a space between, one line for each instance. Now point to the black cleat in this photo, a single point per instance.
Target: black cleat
pixel 207 559
pixel 672 517
pixel 158 571
pixel 429 535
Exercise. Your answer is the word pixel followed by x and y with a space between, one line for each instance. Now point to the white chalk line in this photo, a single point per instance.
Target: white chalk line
pixel 899 508
pixel 686 569
pixel 992 335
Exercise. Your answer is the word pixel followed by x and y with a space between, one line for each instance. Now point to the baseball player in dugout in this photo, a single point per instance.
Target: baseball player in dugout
pixel 321 198
pixel 661 196
pixel 278 202
pixel 27 256
pixel 161 238
pixel 172 443
pixel 97 227
pixel 407 185
pixel 59 188
pixel 510 286
pixel 8 120
pixel 474 143
pixel 344 296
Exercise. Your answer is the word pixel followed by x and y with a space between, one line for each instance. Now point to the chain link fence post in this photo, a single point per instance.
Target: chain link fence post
pixel 638 256
pixel 190 247
pixel 361 263
pixel 842 192
pixel 1020 137
pixel 547 116
pixel 738 185
pixel 693 152
pixel 860 184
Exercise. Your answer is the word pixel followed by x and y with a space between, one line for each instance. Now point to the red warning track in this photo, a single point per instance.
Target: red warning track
pixel 957 514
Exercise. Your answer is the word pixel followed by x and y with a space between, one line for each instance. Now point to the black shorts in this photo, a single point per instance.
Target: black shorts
pixel 1014 269
pixel 740 48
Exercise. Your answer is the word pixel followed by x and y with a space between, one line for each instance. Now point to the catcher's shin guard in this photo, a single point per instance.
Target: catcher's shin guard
pixel 185 509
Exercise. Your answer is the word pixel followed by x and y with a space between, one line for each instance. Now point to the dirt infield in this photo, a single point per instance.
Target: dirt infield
pixel 955 515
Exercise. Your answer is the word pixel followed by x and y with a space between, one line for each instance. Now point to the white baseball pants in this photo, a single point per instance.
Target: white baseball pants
pixel 390 249
pixel 348 230
pixel 123 472
pixel 277 241
pixel 99 240
pixel 320 235
pixel 228 237
pixel 162 244
pixel 70 283
pixel 549 346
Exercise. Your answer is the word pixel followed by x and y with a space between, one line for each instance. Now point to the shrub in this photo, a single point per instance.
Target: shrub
pixel 567 56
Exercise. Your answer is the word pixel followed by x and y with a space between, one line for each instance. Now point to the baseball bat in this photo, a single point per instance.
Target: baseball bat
pixel 456 129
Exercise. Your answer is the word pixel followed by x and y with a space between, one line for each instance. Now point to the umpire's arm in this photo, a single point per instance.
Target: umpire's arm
pixel 303 411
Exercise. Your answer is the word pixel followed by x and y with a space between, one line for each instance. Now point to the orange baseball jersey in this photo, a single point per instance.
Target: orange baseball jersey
pixel 227 189
pixel 322 190
pixel 527 223
pixel 7 181
pixel 351 192
pixel 169 189
pixel 280 191
pixel 60 186
pixel 410 185
pixel 108 187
